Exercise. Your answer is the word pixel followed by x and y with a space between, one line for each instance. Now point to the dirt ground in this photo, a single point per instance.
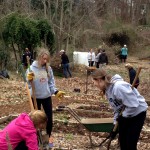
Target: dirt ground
pixel 67 132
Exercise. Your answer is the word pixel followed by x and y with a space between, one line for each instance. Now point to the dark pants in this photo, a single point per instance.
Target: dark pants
pixel 47 106
pixel 136 85
pixel 21 146
pixel 91 63
pixel 129 131
pixel 123 58
pixel 66 70
pixel 97 64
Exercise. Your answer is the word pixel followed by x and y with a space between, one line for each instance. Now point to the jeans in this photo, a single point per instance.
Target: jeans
pixel 66 70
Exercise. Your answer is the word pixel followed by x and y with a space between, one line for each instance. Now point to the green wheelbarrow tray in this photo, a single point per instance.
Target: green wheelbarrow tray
pixel 91 124
pixel 98 124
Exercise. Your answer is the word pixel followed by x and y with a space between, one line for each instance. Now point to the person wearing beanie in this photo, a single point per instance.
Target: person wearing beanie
pixel 132 74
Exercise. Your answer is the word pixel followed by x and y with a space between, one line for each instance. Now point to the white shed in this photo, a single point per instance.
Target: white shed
pixel 80 58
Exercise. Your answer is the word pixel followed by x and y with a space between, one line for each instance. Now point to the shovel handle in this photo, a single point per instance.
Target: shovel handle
pixel 32 85
pixel 136 77
pixel 29 96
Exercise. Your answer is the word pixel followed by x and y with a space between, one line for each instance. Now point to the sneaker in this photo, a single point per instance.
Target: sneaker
pixel 51 144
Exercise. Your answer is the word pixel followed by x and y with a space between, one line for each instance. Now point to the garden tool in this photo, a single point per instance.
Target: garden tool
pixel 32 85
pixel 31 105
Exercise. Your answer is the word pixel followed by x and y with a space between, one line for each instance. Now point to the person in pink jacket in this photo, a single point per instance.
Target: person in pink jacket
pixel 21 133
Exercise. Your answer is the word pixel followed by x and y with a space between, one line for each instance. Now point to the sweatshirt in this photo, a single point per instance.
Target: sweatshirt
pixel 124 51
pixel 122 97
pixel 44 85
pixel 64 59
pixel 103 58
pixel 132 74
pixel 20 129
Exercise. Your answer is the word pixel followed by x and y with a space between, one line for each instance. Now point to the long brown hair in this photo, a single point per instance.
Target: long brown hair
pixel 102 74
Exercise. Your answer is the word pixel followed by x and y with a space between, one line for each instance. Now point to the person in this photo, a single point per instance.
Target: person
pixel 65 64
pixel 97 58
pixel 132 74
pixel 103 59
pixel 41 75
pixel 21 133
pixel 124 53
pixel 123 98
pixel 91 58
pixel 24 58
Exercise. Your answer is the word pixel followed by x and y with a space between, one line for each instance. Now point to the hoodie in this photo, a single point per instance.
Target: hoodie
pixel 20 129
pixel 122 97
pixel 103 58
pixel 124 51
pixel 44 85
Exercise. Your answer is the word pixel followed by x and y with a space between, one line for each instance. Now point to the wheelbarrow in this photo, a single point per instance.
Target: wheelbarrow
pixel 91 124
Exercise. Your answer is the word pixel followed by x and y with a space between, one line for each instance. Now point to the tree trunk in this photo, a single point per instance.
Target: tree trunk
pixel 69 26
pixel 49 10
pixel 15 56
pixel 61 24
pixel 44 3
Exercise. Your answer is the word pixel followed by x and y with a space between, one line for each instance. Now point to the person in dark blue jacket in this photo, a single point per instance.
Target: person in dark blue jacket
pixel 26 54
pixel 103 59
pixel 65 64
pixel 132 74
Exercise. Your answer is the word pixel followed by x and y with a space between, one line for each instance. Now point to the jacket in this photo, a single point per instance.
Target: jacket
pixel 44 85
pixel 97 57
pixel 20 129
pixel 132 74
pixel 64 59
pixel 24 58
pixel 103 58
pixel 91 56
pixel 122 97
pixel 124 51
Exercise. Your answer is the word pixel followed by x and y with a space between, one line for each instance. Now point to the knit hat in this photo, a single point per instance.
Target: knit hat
pixel 128 65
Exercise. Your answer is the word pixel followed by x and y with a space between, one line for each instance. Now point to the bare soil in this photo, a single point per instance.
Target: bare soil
pixel 67 132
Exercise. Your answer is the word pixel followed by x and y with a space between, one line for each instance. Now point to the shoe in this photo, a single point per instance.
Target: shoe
pixel 51 144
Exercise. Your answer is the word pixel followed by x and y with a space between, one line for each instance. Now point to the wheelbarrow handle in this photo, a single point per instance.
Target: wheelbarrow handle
pixel 59 109
pixel 61 106
pixel 108 137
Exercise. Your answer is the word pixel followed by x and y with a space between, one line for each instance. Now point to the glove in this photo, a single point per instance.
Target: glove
pixel 30 76
pixel 114 133
pixel 60 94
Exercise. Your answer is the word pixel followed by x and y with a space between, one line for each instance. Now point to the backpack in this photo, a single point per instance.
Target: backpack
pixel 4 74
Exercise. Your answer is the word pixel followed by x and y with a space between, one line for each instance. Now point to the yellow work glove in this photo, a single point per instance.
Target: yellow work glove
pixel 30 76
pixel 60 94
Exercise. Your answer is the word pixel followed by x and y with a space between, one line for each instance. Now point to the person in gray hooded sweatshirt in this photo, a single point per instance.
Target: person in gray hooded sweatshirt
pixel 128 105
pixel 41 74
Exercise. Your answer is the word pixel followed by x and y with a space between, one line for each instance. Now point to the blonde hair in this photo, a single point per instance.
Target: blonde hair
pixel 38 117
pixel 101 74
pixel 43 51
pixel 128 65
